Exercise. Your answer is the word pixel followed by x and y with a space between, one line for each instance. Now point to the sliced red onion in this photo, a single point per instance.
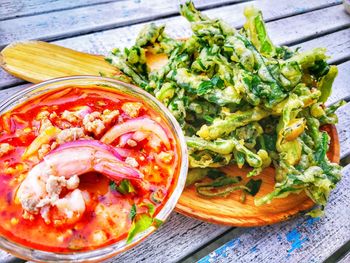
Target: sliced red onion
pixel 139 124
pixel 82 156
pixel 124 139
pixel 123 152
pixel 88 143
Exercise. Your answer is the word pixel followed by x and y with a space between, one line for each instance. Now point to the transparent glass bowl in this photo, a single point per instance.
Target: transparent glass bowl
pixel 120 246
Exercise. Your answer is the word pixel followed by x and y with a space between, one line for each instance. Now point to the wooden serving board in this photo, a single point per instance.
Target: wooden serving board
pixel 36 61
pixel 231 211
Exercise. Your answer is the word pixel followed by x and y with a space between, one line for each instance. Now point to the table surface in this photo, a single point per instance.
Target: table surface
pixel 97 26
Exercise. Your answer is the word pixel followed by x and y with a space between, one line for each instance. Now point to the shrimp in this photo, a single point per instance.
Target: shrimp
pixel 60 169
pixel 71 207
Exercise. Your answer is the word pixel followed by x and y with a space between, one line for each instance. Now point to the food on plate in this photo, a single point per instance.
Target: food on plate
pixel 83 167
pixel 240 99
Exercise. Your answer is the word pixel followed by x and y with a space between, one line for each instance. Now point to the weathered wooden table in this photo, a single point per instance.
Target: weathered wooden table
pixel 97 26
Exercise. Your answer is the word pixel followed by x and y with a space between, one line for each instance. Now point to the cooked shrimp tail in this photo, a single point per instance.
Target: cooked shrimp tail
pixel 60 169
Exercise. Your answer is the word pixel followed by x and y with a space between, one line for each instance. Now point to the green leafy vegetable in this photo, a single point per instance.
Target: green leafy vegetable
pixel 124 187
pixel 253 186
pixel 140 224
pixel 325 85
pixel 256 31
pixel 221 186
pixel 150 208
pixel 133 212
pixel 240 99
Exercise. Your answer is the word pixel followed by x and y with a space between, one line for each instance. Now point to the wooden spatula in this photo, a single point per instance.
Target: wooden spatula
pixel 37 61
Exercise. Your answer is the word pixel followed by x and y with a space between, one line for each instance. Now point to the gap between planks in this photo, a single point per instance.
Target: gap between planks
pixel 10 11
pixel 44 7
pixel 63 25
pixel 345 258
pixel 341 255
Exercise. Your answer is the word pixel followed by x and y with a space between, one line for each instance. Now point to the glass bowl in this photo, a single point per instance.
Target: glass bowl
pixel 119 246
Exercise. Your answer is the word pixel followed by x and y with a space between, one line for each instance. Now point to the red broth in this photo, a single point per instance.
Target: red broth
pixel 106 218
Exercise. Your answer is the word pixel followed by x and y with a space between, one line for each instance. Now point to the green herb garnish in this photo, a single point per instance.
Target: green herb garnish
pixel 124 187
pixel 133 212
pixel 141 222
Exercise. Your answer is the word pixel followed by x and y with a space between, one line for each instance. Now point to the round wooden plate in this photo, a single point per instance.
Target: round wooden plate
pixel 36 61
pixel 230 210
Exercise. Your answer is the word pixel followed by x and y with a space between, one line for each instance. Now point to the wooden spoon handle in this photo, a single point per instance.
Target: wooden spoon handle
pixel 36 61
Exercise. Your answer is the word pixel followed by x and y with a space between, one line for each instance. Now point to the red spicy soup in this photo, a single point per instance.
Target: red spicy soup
pixel 80 166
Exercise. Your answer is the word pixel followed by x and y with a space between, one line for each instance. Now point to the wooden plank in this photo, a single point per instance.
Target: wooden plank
pixel 343 130
pixel 66 23
pixel 103 42
pixel 178 237
pixel 309 25
pixel 14 9
pixel 7 258
pixel 11 9
pixel 6 80
pixel 337 45
pixel 341 90
pixel 63 24
pixel 302 239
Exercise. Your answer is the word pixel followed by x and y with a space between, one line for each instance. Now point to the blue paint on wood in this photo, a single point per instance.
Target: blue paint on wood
pixel 296 240
pixel 296 237
pixel 310 221
pixel 221 252
pixel 254 249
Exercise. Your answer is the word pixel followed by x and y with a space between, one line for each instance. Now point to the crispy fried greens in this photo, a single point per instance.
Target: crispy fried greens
pixel 242 100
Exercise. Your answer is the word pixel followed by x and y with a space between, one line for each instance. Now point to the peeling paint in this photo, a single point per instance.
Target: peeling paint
pixel 221 252
pixel 310 221
pixel 296 240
